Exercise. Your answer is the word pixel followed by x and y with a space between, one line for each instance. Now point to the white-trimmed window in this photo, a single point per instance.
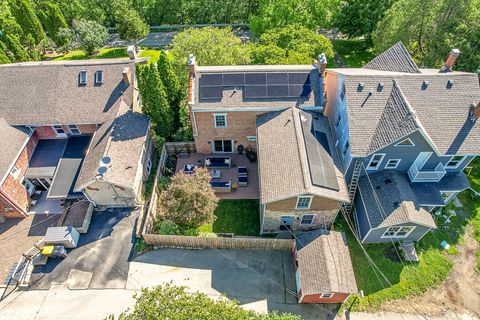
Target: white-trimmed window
pixel 149 165
pixel 392 163
pixel 252 138
pixel 58 130
pixel 454 162
pixel 398 232
pixel 15 172
pixel 74 129
pixel 82 77
pixel 220 120
pixel 28 186
pixel 99 77
pixel 303 202
pixel 307 219
pixel 326 295
pixel 405 143
pixel 375 161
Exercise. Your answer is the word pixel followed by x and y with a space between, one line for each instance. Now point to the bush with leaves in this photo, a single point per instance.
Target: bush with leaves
pixel 130 26
pixel 3 54
pixel 171 302
pixel 189 200
pixel 18 52
pixel 53 20
pixel 89 35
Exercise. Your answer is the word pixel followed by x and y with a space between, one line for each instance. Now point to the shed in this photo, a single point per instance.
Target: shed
pixel 67 236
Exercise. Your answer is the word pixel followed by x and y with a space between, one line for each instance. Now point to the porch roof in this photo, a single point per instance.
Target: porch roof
pixel 430 194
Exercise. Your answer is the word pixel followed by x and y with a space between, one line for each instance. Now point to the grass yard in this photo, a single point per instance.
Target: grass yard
pixel 354 52
pixel 153 54
pixel 473 174
pixel 105 53
pixel 240 217
pixel 410 278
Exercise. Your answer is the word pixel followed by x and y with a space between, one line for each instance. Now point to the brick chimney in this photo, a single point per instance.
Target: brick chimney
pixel 126 75
pixel 132 52
pixel 322 63
pixel 475 111
pixel 192 64
pixel 452 57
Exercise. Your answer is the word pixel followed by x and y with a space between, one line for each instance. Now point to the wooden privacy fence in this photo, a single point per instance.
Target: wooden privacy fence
pixel 219 243
pixel 180 147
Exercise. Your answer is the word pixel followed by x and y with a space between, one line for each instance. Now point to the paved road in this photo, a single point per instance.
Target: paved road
pixel 101 259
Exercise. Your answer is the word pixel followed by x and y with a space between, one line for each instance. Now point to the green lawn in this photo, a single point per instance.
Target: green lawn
pixel 153 54
pixel 354 52
pixel 104 53
pixel 410 278
pixel 473 174
pixel 240 217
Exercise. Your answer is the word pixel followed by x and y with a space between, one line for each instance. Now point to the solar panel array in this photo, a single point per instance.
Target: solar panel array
pixel 262 85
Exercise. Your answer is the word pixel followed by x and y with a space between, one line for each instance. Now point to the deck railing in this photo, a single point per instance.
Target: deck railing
pixel 417 175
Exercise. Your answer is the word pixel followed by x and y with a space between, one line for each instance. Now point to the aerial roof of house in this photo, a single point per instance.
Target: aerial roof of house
pixel 390 97
pixel 14 139
pixel 324 262
pixel 297 156
pixel 388 200
pixel 256 86
pixel 121 138
pixel 46 93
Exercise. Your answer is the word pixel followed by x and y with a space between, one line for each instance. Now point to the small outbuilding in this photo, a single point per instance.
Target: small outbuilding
pixel 323 268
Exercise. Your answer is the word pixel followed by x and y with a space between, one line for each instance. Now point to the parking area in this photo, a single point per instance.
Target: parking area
pixel 260 280
pixel 101 259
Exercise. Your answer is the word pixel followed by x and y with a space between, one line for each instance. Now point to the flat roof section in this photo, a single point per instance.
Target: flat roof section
pixel 45 158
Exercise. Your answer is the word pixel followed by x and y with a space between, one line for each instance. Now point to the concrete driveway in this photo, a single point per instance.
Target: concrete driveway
pixel 257 279
pixel 101 259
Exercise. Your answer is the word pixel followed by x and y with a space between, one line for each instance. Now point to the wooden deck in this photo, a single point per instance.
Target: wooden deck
pixel 230 174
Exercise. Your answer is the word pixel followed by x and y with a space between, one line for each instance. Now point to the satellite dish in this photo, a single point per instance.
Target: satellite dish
pixel 102 170
pixel 105 162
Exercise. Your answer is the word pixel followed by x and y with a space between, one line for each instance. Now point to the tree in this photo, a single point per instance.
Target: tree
pixel 3 55
pixel 360 17
pixel 274 14
pixel 211 46
pixel 172 85
pixel 130 26
pixel 431 28
pixel 28 21
pixel 66 36
pixel 189 200
pixel 19 54
pixel 53 20
pixel 171 302
pixel 291 45
pixel 89 35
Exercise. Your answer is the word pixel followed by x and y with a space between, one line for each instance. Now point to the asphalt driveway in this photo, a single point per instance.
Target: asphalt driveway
pixel 260 280
pixel 101 259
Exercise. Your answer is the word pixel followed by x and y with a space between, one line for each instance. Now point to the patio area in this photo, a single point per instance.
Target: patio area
pixel 41 205
pixel 251 191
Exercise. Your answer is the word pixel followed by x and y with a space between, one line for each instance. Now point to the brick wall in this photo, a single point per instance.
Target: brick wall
pixel 315 298
pixel 239 126
pixel 47 132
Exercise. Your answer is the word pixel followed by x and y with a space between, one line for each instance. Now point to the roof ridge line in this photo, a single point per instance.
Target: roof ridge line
pixel 296 116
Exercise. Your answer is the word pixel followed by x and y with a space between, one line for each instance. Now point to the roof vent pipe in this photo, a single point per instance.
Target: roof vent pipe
pixel 192 64
pixel 452 57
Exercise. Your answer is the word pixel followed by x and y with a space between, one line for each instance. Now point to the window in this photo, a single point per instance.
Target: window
pixel 303 202
pixel 398 232
pixel 83 77
pixel 338 120
pixel 345 148
pixel 252 138
pixel 15 172
pixel 58 130
pixel 405 143
pixel 326 295
pixel 455 162
pixel 74 129
pixel 392 163
pixel 375 161
pixel 99 76
pixel 220 120
pixel 307 219
pixel 28 186
pixel 149 165
pixel 225 146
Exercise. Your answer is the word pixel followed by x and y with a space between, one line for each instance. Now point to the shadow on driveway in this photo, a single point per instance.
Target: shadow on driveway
pixel 101 259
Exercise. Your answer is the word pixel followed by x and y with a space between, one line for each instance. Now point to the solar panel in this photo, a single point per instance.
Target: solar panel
pixel 211 92
pixel 255 91
pixel 277 78
pixel 276 91
pixel 299 78
pixel 255 79
pixel 211 79
pixel 299 90
pixel 233 79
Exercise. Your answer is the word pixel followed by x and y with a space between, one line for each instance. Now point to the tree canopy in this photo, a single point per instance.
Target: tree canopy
pixel 89 35
pixel 130 26
pixel 53 20
pixel 171 302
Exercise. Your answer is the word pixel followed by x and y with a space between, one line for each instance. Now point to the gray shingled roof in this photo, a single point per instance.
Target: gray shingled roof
pixel 396 58
pixel 324 263
pixel 122 139
pixel 398 202
pixel 38 93
pixel 12 141
pixel 283 167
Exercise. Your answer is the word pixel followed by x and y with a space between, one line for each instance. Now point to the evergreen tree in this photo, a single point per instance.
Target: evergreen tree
pixel 130 26
pixel 3 55
pixel 53 20
pixel 26 18
pixel 13 44
pixel 172 86
pixel 8 25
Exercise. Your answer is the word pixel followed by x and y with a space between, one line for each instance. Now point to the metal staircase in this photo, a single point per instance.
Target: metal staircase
pixel 352 189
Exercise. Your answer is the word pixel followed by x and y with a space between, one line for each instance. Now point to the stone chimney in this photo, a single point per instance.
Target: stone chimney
pixel 126 75
pixel 192 64
pixel 475 111
pixel 322 63
pixel 452 57
pixel 132 52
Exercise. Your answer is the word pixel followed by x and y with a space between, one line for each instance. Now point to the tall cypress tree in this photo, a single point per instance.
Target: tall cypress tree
pixel 52 20
pixel 172 86
pixel 26 18
pixel 16 48
pixel 3 55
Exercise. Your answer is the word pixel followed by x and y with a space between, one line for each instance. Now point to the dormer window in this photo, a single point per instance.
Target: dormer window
pixel 83 77
pixel 99 77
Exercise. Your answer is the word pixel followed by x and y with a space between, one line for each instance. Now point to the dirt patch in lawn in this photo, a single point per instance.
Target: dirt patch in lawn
pixel 460 292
